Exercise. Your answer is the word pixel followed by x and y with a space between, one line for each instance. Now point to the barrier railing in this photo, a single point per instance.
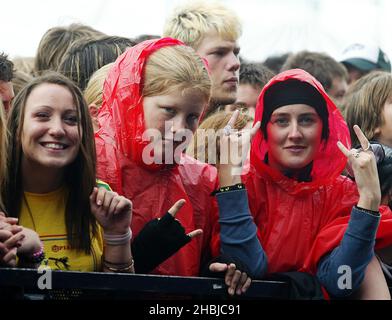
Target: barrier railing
pixel 24 284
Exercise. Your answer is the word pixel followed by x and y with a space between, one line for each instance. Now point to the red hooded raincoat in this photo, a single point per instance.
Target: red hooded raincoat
pixel 299 222
pixel 152 189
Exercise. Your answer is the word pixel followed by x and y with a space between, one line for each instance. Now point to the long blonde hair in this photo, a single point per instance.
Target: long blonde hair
pixel 175 68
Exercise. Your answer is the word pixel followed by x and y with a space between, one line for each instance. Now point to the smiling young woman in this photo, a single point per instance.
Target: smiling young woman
pixel 51 185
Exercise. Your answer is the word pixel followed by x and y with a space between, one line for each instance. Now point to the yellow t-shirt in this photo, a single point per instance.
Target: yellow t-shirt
pixel 47 217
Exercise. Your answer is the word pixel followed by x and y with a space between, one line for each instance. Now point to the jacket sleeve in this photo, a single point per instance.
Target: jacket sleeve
pixel 238 232
pixel 341 272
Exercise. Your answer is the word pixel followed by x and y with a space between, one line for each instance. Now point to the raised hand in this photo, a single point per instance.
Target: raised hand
pixel 234 147
pixel 160 239
pixel 112 211
pixel 173 211
pixel 364 166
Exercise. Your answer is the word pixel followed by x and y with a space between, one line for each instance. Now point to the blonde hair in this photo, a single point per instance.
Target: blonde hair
pixel 190 22
pixel 199 149
pixel 93 91
pixel 20 80
pixel 24 64
pixel 3 153
pixel 175 68
pixel 365 102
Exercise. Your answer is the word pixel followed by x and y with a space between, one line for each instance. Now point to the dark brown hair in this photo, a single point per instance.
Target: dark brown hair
pixel 86 56
pixel 79 176
pixel 6 68
pixel 320 65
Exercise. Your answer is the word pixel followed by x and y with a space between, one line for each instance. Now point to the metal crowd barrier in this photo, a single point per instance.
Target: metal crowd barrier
pixel 67 285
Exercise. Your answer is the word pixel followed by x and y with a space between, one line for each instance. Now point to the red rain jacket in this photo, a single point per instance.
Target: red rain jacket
pixel 153 189
pixel 302 221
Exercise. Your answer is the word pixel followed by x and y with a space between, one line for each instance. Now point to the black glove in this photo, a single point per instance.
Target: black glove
pixel 157 241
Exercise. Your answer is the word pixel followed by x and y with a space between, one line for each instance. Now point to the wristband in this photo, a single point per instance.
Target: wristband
pixel 238 186
pixel 117 240
pixel 371 212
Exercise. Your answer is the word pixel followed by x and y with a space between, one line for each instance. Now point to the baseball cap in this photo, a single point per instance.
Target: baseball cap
pixel 366 57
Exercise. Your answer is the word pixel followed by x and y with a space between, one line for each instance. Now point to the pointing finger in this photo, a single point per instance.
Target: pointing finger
pixel 176 207
pixel 344 150
pixel 361 137
pixel 233 118
pixel 255 128
pixel 195 233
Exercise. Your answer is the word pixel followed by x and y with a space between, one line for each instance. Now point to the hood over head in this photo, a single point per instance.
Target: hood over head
pixel 329 161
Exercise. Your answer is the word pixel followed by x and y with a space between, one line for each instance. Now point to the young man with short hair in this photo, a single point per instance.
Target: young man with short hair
pixel 360 59
pixel 332 74
pixel 212 30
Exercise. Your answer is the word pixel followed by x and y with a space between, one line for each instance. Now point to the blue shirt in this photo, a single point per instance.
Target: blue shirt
pixel 238 234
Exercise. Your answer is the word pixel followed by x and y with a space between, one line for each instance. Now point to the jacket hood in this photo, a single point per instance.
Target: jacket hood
pixel 121 116
pixel 329 161
pixel 153 189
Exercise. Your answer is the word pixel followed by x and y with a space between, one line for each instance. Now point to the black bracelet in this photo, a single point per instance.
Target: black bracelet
pixel 238 186
pixel 371 212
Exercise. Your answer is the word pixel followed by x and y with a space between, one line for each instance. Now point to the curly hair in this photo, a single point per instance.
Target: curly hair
pixel 6 68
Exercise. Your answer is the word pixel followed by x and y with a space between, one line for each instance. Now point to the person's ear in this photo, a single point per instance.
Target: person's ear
pixel 93 110
pixel 377 132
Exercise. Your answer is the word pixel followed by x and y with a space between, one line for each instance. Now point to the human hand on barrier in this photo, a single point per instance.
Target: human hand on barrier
pixel 9 243
pixel 10 239
pixel 237 281
pixel 30 244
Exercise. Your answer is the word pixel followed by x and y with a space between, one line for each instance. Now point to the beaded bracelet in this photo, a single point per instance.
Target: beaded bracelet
pixel 238 186
pixel 36 257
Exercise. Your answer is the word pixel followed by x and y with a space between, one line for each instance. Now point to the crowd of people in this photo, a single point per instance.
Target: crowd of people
pixel 171 155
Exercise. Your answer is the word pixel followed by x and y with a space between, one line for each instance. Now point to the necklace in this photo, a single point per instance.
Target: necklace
pixel 29 211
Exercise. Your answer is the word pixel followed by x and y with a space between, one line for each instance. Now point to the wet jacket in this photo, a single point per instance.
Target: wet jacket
pixel 153 189
pixel 290 214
